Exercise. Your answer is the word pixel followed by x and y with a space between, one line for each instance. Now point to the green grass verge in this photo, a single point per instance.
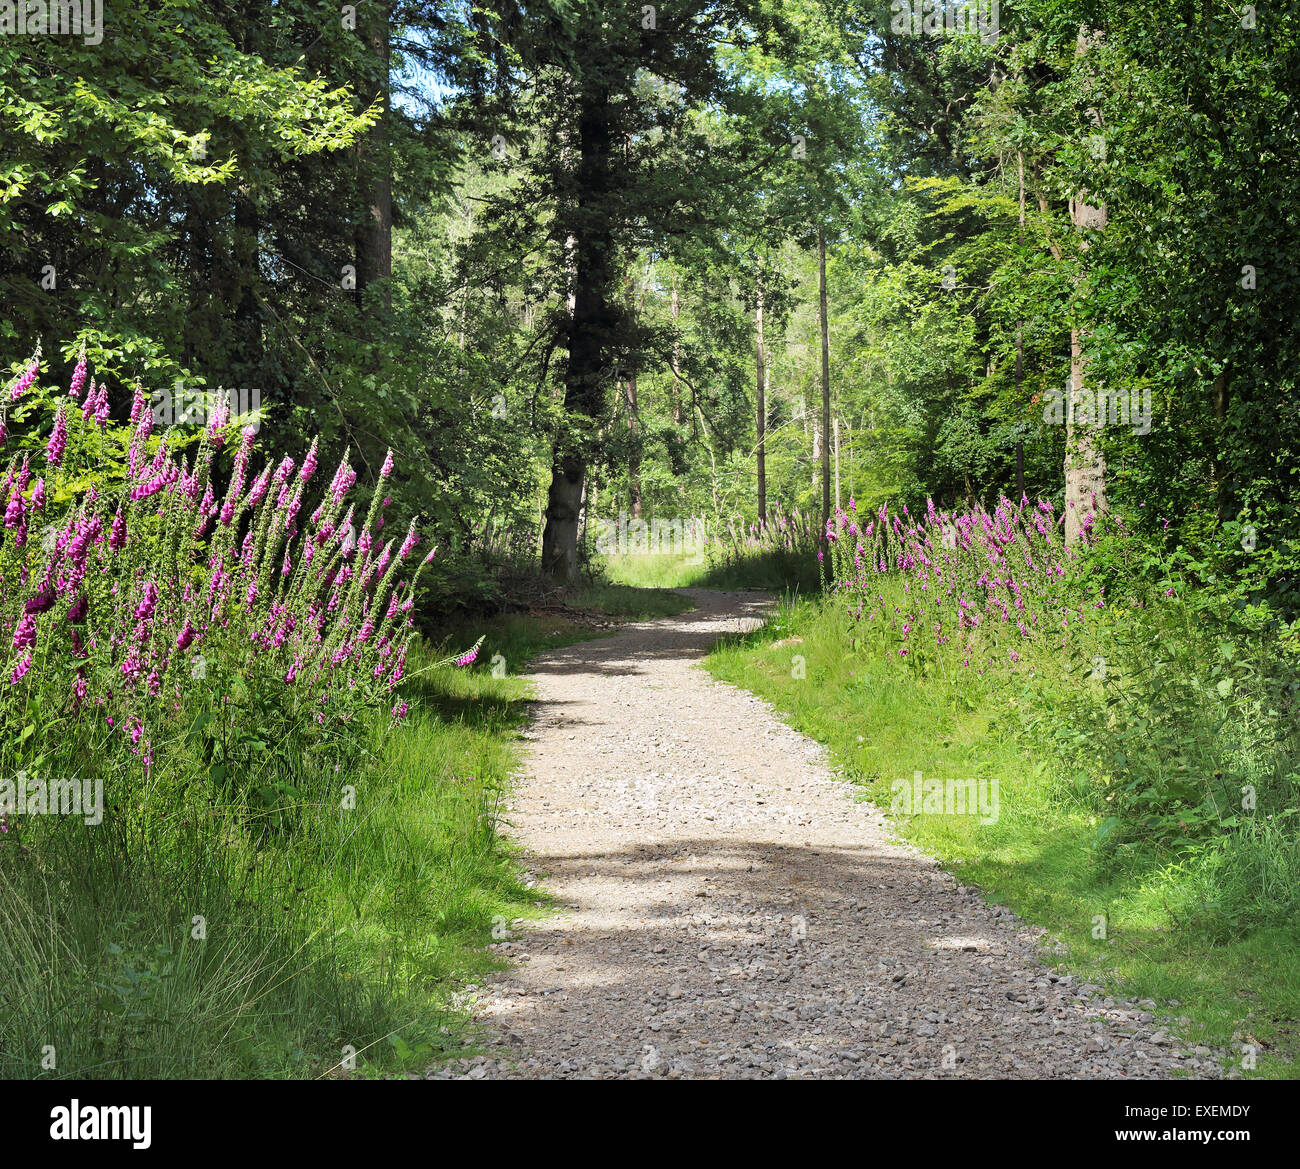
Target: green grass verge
pixel 883 721
pixel 340 921
pixel 778 572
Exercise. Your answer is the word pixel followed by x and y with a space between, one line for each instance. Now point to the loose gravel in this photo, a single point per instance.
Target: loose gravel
pixel 731 910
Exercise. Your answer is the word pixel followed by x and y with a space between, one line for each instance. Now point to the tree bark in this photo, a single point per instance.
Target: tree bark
pixel 1085 461
pixel 373 237
pixel 815 422
pixel 826 400
pixel 835 433
pixel 633 419
pixel 761 394
pixel 591 326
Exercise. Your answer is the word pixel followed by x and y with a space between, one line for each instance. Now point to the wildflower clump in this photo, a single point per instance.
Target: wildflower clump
pixel 164 583
pixel 983 581
pixel 784 543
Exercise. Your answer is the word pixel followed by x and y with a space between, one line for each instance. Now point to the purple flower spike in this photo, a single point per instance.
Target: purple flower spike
pixel 78 376
pixel 58 440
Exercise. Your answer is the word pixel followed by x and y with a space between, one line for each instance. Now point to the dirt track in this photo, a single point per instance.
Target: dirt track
pixel 734 911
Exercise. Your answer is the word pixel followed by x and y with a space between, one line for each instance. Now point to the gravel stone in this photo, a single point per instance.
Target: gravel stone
pixel 736 911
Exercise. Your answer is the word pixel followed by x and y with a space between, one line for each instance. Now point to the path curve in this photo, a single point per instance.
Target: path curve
pixel 733 911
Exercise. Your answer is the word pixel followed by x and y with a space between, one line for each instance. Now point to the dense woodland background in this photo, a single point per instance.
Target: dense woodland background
pixel 556 254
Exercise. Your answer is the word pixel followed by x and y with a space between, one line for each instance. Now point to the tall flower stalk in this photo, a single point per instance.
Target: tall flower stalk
pixel 982 580
pixel 146 592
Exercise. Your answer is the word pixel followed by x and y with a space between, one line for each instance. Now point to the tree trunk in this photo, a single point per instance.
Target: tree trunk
pixel 634 452
pixel 826 399
pixel 676 363
pixel 633 418
pixel 591 326
pixel 849 427
pixel 835 433
pixel 373 237
pixel 583 504
pixel 761 394
pixel 815 421
pixel 1085 462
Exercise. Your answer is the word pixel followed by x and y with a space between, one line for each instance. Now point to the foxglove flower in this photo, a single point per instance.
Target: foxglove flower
pixel 78 375
pixel 217 422
pixel 20 670
pixel 292 511
pixel 344 478
pixel 117 533
pixel 150 600
pixel 58 440
pixel 309 463
pixel 25 632
pixel 408 545
pixel 24 382
pixel 14 511
pixel 43 602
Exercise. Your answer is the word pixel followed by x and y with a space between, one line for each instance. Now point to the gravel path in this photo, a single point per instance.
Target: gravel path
pixel 732 911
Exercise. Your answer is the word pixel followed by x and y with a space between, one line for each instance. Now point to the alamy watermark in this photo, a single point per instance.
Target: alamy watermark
pixel 53 18
pixel 26 795
pixel 946 797
pixel 636 537
pixel 199 407
pixel 102 1122
pixel 935 18
pixel 1085 407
